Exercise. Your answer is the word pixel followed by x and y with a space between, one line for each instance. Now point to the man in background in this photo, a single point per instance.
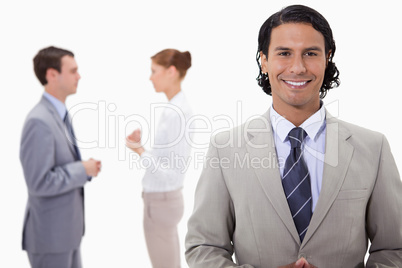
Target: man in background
pixel 54 172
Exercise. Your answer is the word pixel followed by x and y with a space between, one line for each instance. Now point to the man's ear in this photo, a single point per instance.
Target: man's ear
pixel 51 74
pixel 328 57
pixel 263 60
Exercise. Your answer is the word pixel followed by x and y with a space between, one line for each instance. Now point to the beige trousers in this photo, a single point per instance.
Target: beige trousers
pixel 162 213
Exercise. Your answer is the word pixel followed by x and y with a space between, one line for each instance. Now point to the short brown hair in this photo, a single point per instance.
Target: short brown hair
pixel 169 57
pixel 46 58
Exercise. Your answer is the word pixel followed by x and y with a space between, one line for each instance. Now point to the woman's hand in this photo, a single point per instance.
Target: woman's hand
pixel 133 141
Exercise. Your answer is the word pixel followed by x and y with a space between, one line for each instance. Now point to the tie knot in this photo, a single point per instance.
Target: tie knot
pixel 296 137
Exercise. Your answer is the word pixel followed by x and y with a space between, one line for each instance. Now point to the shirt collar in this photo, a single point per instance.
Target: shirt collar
pixel 313 125
pixel 60 107
pixel 177 99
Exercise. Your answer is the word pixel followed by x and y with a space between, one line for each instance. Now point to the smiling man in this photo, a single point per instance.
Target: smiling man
pixel 333 186
pixel 295 66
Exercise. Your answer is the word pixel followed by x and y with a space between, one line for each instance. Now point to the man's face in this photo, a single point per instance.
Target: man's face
pixel 296 66
pixel 67 79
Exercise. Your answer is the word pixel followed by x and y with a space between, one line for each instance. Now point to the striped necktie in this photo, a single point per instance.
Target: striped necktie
pixel 296 183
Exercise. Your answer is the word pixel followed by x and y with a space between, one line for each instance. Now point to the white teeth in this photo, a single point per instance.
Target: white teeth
pixel 296 83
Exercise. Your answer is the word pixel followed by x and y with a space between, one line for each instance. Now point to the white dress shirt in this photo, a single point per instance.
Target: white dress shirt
pixel 313 145
pixel 167 161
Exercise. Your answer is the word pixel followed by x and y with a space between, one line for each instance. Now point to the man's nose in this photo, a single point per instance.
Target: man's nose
pixel 298 65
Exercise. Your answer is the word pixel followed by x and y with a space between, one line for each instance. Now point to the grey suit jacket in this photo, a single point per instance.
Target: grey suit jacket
pixel 240 206
pixel 54 218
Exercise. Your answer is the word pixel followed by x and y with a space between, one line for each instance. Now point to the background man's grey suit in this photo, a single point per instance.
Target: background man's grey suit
pixel 243 202
pixel 54 219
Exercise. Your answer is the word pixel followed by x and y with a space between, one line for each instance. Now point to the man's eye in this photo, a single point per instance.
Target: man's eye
pixel 284 53
pixel 311 54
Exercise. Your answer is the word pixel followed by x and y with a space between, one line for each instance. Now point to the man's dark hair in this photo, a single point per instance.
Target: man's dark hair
pixel 298 14
pixel 46 58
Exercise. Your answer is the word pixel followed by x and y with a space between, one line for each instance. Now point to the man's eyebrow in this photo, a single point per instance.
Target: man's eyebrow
pixel 315 48
pixel 280 48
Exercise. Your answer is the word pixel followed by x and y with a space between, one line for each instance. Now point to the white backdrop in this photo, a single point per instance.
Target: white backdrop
pixel 112 43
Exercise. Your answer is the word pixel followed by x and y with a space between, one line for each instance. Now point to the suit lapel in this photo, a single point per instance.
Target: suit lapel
pixel 336 164
pixel 52 110
pixel 338 154
pixel 259 133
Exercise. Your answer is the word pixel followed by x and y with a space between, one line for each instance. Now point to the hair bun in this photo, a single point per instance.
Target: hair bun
pixel 187 57
pixel 169 57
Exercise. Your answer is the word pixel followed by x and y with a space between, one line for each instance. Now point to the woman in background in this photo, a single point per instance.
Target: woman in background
pixel 163 179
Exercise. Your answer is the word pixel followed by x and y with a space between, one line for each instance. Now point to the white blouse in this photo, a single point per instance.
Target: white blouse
pixel 167 161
